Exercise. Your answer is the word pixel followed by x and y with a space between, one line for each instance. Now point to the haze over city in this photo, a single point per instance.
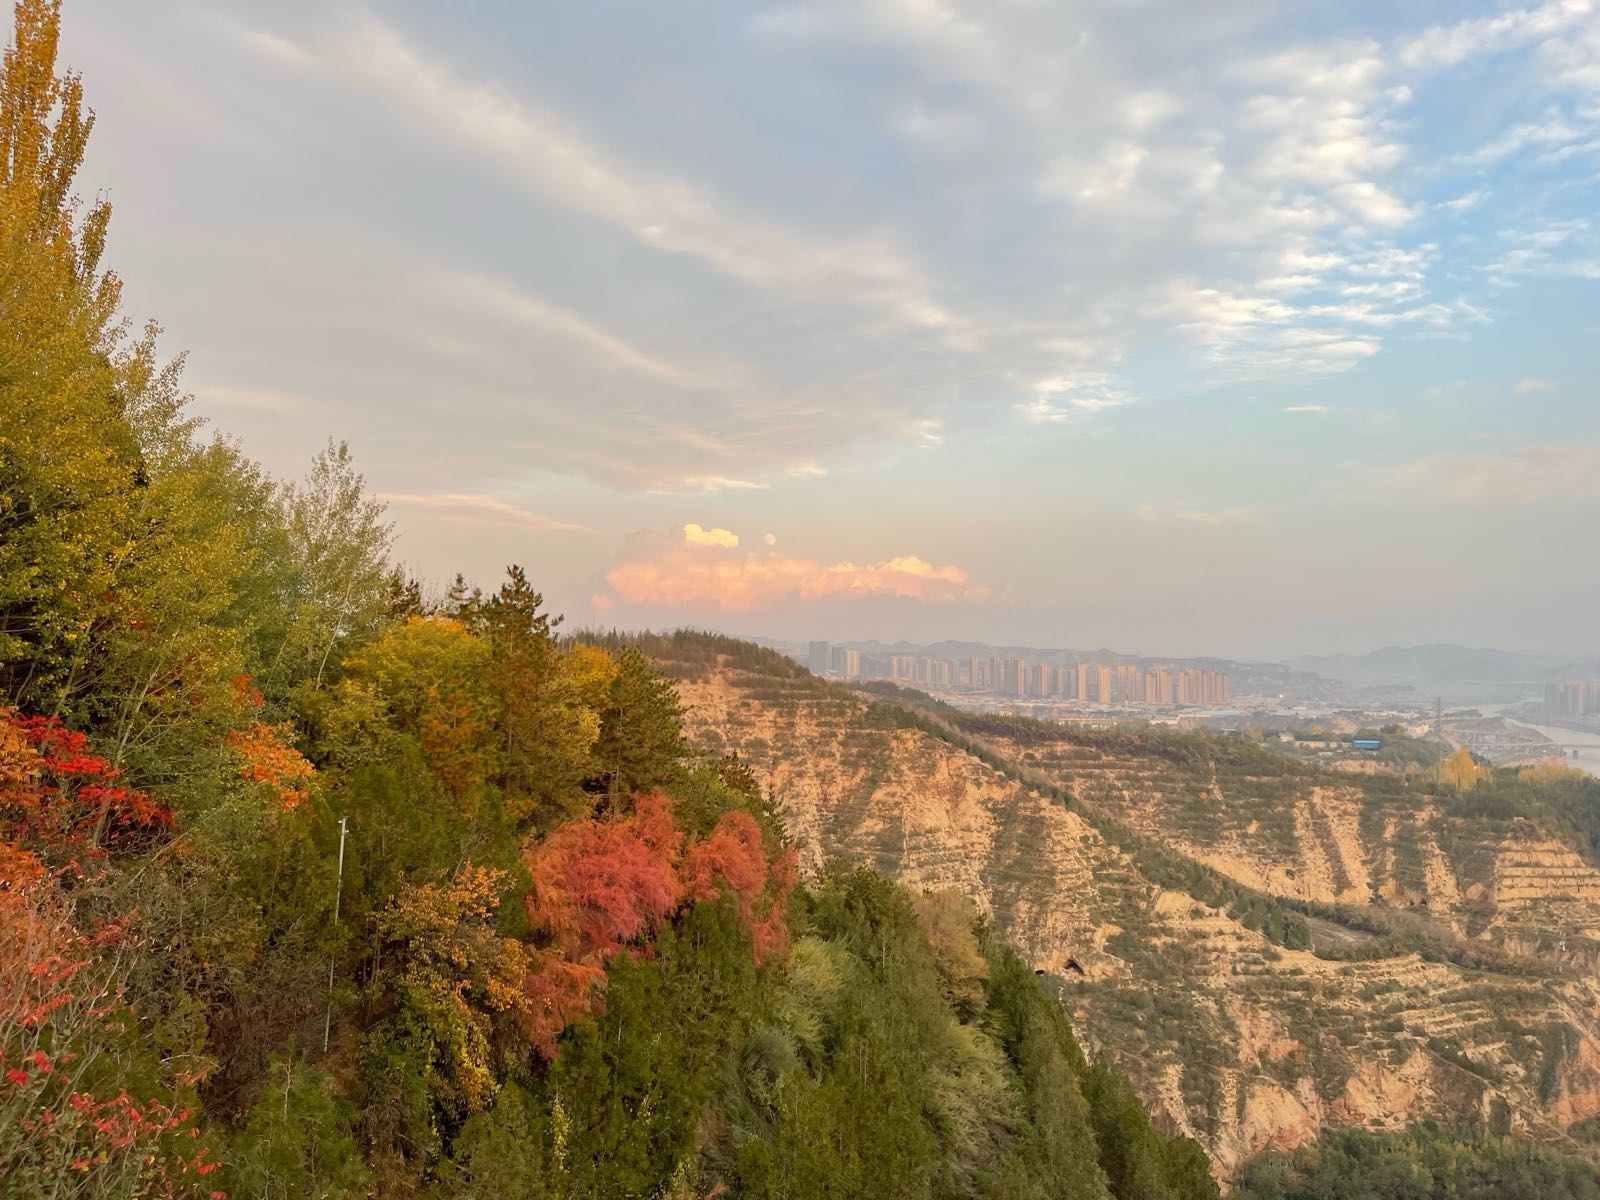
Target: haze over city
pixel 1236 329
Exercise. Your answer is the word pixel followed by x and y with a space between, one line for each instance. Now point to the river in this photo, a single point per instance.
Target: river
pixel 1587 745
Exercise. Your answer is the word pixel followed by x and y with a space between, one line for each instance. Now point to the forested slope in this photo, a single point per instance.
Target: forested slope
pixel 309 888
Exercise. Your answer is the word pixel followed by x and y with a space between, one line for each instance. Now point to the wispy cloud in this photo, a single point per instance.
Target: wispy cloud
pixel 561 164
pixel 1212 518
pixel 1307 408
pixel 1528 387
pixel 1552 472
pixel 477 509
pixel 1065 398
pixel 1448 45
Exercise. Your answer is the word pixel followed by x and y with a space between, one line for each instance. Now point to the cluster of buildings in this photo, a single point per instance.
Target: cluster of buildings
pixel 1098 683
pixel 1572 698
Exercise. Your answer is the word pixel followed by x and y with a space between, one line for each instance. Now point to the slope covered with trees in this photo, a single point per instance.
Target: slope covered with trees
pixel 310 888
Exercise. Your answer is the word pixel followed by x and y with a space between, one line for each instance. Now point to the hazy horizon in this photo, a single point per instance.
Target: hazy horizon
pixel 1091 646
pixel 1235 330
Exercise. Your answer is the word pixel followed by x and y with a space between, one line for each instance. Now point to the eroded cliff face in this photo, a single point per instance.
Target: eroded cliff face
pixel 1243 1044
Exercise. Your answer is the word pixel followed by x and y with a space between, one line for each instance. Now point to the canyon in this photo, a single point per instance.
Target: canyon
pixel 1267 949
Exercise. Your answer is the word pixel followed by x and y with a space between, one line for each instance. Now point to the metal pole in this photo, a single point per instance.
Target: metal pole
pixel 338 898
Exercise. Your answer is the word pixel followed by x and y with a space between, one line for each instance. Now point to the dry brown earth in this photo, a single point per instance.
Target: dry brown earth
pixel 1245 1044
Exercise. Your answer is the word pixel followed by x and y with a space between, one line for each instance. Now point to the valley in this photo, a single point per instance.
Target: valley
pixel 1269 950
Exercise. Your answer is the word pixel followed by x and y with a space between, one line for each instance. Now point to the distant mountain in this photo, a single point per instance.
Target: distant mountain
pixel 1446 667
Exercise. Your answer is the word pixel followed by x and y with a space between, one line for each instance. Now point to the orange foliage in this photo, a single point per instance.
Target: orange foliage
pixel 600 884
pixel 733 855
pixel 559 992
pixel 454 729
pixel 59 802
pixel 61 1011
pixel 266 755
pixel 604 886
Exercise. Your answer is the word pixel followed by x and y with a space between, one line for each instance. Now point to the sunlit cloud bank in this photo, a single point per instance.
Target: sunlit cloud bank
pixel 700 568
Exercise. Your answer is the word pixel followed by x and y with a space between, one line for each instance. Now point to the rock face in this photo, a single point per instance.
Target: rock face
pixel 1486 1008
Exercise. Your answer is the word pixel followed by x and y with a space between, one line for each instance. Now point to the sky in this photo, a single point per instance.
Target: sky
pixel 1228 328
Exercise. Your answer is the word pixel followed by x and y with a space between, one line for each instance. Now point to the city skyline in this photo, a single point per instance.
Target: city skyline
pixel 1020 677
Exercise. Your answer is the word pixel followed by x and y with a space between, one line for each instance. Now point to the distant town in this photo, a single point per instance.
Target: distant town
pixel 1313 715
pixel 1572 698
pixel 1022 678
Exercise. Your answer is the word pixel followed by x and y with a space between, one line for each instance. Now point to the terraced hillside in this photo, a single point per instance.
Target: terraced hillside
pixel 1267 950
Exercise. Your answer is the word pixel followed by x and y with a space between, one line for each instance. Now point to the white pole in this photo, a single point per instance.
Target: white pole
pixel 338 898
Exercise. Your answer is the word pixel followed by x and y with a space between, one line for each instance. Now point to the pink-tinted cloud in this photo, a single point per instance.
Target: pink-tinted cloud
pixel 686 569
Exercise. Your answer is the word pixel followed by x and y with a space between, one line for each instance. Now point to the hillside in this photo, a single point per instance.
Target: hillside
pixel 1269 951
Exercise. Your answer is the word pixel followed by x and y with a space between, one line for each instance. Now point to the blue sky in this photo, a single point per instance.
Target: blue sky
pixel 1180 328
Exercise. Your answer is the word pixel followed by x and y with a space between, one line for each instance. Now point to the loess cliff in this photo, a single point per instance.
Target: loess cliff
pixel 1268 950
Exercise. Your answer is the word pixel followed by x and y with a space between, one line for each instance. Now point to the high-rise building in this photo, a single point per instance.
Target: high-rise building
pixel 1572 698
pixel 819 658
pixel 1128 681
pixel 1103 676
pixel 1017 676
pixel 850 668
pixel 1080 681
pixel 1044 680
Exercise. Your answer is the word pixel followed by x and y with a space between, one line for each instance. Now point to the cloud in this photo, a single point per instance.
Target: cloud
pixel 693 535
pixel 684 572
pixel 562 165
pixel 1448 45
pixel 502 302
pixel 1001 216
pixel 476 509
pixel 1546 250
pixel 1064 398
pixel 1551 472
pixel 718 483
pixel 1307 408
pixel 255 399
pixel 1464 202
pixel 1527 387
pixel 1213 518
pixel 939 129
pixel 1550 132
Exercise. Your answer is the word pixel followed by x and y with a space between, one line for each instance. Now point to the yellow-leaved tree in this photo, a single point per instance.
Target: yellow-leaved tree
pixel 126 543
pixel 1460 770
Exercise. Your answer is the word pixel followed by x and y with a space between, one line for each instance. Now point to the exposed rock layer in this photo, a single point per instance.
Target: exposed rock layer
pixel 1241 1043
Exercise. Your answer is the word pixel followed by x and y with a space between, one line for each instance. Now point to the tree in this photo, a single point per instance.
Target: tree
pixel 73 1121
pixel 426 679
pixel 67 458
pixel 64 804
pixel 296 1143
pixel 120 569
pixel 1460 771
pixel 640 744
pixel 340 585
pixel 458 975
pixel 547 729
